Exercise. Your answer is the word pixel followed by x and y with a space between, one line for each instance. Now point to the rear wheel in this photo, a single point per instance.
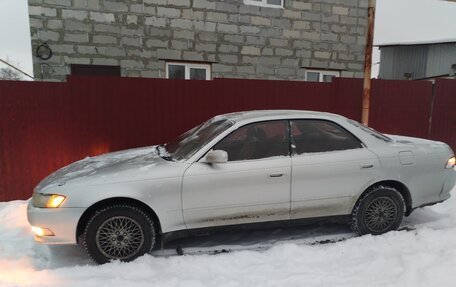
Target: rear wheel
pixel 378 211
pixel 118 232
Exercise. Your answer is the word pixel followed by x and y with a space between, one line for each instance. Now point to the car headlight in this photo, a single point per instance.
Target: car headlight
pixel 451 162
pixel 47 200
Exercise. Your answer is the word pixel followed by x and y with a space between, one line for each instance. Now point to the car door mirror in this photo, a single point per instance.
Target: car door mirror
pixel 217 156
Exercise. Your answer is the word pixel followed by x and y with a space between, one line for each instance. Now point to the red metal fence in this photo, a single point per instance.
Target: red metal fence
pixel 443 120
pixel 401 107
pixel 44 126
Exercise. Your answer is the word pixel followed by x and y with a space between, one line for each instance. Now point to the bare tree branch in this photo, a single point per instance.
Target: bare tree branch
pixel 8 73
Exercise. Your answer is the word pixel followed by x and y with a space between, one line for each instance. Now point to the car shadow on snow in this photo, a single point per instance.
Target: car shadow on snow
pixel 217 242
pixel 258 239
pixel 434 217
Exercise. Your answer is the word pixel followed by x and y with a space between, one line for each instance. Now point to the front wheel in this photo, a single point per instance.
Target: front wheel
pixel 118 232
pixel 378 211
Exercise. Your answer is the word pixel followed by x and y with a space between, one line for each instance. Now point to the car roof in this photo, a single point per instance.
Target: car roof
pixel 276 114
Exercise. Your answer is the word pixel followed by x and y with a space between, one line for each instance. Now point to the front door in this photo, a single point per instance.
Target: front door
pixel 253 186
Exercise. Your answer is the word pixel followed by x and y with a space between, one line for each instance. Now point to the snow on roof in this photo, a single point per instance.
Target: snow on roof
pixel 418 42
pixel 247 115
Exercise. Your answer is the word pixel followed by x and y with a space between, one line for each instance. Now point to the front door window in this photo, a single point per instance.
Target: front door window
pixel 256 141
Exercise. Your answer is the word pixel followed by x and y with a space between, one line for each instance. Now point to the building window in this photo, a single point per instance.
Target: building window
pixel 188 71
pixel 94 70
pixel 265 3
pixel 321 75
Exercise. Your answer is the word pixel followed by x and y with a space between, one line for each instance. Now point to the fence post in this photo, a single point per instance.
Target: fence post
pixel 368 62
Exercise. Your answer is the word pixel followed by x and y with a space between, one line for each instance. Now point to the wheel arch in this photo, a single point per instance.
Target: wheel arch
pixel 85 217
pixel 402 188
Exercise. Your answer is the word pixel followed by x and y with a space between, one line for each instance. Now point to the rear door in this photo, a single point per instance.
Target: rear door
pixel 330 167
pixel 253 186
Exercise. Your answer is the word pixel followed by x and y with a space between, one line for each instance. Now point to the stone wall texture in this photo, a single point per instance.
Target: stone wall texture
pixel 240 41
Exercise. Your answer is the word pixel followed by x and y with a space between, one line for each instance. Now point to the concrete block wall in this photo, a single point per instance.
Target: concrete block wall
pixel 240 41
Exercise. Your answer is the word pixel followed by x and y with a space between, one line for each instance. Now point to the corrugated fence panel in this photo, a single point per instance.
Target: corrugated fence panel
pixel 44 126
pixel 349 97
pixel 237 95
pixel 401 107
pixel 444 113
pixel 31 114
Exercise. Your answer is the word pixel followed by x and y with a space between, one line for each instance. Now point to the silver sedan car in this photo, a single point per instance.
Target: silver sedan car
pixel 235 170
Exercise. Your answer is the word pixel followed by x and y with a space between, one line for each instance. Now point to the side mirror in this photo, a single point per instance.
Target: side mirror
pixel 217 156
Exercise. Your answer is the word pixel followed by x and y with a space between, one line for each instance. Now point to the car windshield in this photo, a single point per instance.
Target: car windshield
pixel 188 143
pixel 371 131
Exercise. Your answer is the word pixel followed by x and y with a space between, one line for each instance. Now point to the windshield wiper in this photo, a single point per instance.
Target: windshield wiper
pixel 166 155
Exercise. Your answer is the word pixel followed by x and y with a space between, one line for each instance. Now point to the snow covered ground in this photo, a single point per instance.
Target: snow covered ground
pixel 422 257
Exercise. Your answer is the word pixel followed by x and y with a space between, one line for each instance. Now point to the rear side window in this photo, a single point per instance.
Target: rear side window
pixel 311 136
pixel 256 141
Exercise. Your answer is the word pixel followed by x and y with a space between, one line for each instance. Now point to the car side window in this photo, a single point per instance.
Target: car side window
pixel 311 136
pixel 256 141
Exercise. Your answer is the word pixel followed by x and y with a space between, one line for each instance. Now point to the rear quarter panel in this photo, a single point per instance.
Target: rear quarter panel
pixel 420 167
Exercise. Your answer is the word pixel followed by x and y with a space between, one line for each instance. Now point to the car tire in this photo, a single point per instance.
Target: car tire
pixel 378 211
pixel 118 232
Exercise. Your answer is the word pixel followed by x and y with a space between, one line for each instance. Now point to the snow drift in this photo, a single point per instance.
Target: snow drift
pixel 425 256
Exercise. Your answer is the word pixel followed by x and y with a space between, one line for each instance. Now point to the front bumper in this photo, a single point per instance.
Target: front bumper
pixel 448 184
pixel 61 221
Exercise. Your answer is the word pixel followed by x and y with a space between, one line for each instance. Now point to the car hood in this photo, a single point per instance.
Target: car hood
pixel 110 167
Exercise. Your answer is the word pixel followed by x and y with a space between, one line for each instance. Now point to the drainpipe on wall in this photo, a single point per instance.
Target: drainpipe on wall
pixel 368 62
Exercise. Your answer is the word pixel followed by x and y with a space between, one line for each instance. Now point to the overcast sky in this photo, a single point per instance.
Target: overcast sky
pixel 15 34
pixel 396 21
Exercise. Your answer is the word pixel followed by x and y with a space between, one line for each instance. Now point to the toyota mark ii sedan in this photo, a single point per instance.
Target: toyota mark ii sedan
pixel 237 170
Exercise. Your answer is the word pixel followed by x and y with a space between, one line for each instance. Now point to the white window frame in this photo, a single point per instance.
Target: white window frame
pixel 263 3
pixel 188 66
pixel 323 73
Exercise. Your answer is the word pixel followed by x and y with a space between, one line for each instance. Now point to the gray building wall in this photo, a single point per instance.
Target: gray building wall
pixel 421 61
pixel 441 58
pixel 241 41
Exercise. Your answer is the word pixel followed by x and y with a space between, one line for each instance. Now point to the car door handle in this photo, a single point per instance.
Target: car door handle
pixel 367 166
pixel 276 175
